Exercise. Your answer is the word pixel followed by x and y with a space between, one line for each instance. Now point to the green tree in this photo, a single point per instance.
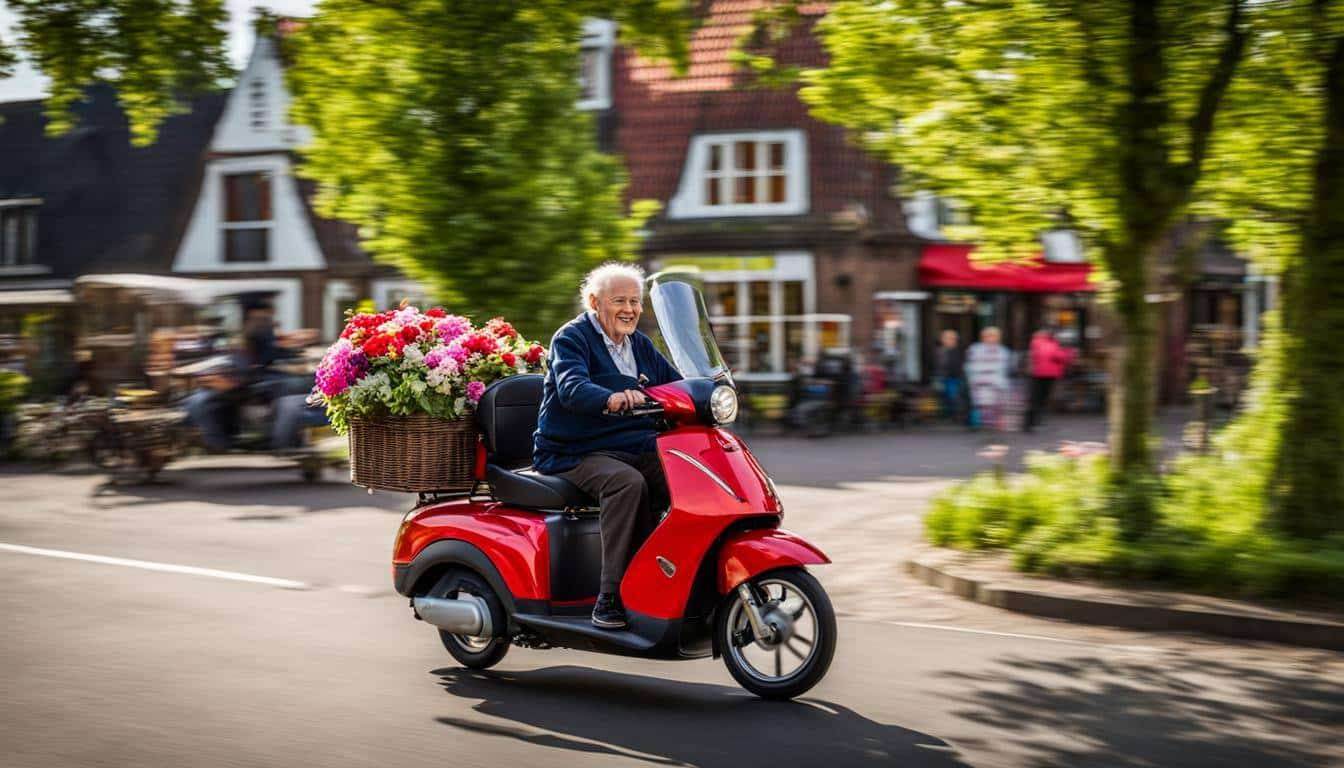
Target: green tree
pixel 1278 171
pixel 1037 113
pixel 447 131
pixel 153 52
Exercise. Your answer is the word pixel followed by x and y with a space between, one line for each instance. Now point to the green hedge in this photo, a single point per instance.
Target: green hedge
pixel 1060 518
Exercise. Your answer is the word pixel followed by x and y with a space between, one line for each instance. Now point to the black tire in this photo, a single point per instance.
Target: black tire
pixel 469 653
pixel 311 470
pixel 815 665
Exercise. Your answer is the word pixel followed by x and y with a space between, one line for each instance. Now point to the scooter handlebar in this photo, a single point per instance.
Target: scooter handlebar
pixel 649 408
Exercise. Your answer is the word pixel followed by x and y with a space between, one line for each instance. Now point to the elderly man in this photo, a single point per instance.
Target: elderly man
pixel 596 362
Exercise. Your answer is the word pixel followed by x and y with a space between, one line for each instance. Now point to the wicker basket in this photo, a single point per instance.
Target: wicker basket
pixel 412 454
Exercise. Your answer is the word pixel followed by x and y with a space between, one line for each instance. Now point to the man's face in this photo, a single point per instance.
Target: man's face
pixel 618 307
pixel 949 339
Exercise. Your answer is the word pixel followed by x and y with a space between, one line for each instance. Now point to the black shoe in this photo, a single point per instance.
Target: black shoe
pixel 607 612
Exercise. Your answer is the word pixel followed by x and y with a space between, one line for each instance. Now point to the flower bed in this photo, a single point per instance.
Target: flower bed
pixel 391 369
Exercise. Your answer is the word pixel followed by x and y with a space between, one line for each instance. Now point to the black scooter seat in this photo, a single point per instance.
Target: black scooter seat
pixel 531 489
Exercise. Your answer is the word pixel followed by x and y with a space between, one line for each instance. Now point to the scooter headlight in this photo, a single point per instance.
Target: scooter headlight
pixel 723 404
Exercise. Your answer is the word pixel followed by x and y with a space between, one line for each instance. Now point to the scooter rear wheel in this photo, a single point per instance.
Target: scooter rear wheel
pixel 473 652
pixel 794 603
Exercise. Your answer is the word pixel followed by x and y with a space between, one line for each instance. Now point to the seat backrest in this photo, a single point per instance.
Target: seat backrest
pixel 507 416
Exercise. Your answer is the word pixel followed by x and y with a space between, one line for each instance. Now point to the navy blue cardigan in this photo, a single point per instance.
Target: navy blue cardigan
pixel 581 377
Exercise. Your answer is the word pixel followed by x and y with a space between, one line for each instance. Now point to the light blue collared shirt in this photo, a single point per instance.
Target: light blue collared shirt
pixel 622 354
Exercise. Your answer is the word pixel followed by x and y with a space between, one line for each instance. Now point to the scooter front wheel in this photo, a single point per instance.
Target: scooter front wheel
pixel 473 652
pixel 798 642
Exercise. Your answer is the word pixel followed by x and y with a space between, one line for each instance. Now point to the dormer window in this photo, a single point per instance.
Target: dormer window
pixel 762 173
pixel 599 39
pixel 247 216
pixel 18 232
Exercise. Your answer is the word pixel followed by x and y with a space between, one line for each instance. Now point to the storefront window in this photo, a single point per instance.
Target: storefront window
pixel 761 310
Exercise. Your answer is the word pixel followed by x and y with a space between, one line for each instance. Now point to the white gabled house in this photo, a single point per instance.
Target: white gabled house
pixel 252 226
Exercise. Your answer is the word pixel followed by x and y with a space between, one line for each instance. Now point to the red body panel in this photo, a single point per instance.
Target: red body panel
pixel 696 460
pixel 515 541
pixel 749 553
pixel 701 510
pixel 678 405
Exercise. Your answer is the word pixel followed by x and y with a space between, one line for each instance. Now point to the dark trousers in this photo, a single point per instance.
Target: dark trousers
pixel 629 488
pixel 1040 399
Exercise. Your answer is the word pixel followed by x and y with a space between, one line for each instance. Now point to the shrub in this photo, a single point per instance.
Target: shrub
pixel 1067 517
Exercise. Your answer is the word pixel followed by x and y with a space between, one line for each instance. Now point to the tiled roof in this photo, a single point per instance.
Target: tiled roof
pixel 709 69
pixel 658 112
pixel 107 206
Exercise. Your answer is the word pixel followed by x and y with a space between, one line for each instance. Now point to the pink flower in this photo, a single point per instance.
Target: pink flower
pixel 458 352
pixel 435 357
pixel 452 326
pixel 406 316
pixel 474 391
pixel 341 366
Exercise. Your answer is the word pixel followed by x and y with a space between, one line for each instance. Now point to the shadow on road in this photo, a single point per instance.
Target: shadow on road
pixel 1174 711
pixel 243 486
pixel 666 722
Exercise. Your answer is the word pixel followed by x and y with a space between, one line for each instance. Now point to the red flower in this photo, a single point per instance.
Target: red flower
pixel 482 343
pixel 501 328
pixel 409 334
pixel 426 326
pixel 533 355
pixel 435 312
pixel 377 345
pixel 508 359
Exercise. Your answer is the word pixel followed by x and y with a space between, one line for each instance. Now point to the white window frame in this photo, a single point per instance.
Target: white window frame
pixel 266 224
pixel 690 202
pixel 598 35
pixel 789 266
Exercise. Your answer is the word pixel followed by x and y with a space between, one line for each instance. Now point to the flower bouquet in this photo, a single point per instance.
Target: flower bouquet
pixel 402 384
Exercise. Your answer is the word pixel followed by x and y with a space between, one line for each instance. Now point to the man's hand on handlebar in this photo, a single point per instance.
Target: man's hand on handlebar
pixel 624 401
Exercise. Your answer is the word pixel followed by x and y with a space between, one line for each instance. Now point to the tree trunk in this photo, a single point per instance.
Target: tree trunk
pixel 1310 489
pixel 1131 400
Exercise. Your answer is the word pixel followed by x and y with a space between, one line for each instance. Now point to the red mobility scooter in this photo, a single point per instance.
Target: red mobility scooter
pixel 717 577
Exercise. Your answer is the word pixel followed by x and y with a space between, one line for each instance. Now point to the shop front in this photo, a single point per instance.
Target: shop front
pixel 1018 298
pixel 763 309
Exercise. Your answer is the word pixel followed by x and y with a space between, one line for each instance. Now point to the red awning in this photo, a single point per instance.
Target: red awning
pixel 950 266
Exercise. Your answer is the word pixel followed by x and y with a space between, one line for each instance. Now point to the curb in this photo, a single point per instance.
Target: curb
pixel 1300 632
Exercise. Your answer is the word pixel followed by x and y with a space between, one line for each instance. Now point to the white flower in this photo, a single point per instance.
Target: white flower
pixel 412 357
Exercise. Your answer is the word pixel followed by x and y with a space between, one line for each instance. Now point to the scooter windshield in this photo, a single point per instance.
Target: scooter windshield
pixel 684 333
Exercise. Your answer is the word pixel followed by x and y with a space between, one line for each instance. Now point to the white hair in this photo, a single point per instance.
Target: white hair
pixel 597 281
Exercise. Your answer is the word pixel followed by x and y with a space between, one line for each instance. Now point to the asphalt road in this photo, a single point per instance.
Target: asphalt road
pixel 114 664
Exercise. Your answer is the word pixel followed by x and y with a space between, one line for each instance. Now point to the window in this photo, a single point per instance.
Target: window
pixel 952 213
pixel 762 310
pixel 599 38
pixel 762 173
pixel 18 233
pixel 247 216
pixel 257 104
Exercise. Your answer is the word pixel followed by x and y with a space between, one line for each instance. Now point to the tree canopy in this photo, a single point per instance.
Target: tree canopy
pixel 153 52
pixel 448 132
pixel 1277 171
pixel 1037 114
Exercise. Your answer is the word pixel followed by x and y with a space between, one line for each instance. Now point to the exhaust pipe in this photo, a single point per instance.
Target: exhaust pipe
pixel 466 615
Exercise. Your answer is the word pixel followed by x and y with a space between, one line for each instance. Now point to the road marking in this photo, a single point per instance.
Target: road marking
pixel 1020 636
pixel 190 570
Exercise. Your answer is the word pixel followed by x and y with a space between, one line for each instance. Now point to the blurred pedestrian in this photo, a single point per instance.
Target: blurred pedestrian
pixel 1048 362
pixel 988 365
pixel 949 374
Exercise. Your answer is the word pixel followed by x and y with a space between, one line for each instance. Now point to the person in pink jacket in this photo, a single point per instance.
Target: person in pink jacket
pixel 1048 363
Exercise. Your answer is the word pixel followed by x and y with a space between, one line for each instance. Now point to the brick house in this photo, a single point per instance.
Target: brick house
pixel 801 237
pixel 801 241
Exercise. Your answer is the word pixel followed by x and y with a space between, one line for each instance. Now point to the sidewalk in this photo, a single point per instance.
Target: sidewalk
pixel 989 578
